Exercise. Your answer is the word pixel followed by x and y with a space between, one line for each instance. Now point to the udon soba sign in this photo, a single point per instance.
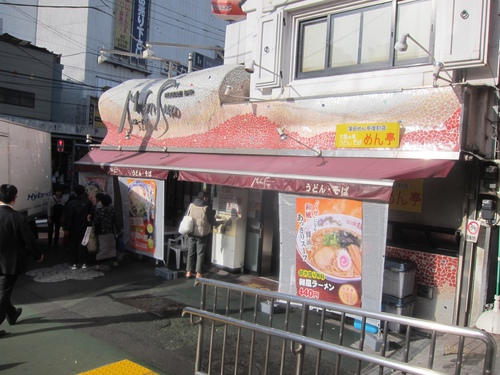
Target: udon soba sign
pixel 329 249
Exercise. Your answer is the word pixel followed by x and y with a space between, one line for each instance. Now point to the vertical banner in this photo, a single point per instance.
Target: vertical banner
pixel 142 205
pixel 329 249
pixel 123 24
pixel 141 214
pixel 140 25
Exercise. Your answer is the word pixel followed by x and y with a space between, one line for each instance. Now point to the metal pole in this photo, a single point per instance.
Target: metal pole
pixel 190 62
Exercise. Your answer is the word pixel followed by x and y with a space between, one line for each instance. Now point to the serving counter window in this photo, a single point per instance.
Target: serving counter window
pixel 445 241
pixel 426 215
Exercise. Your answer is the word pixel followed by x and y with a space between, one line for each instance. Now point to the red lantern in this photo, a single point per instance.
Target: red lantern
pixel 228 10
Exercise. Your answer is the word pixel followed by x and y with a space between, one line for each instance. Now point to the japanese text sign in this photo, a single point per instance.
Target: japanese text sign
pixel 370 135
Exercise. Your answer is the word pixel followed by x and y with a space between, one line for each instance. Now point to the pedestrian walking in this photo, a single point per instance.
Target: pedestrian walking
pixel 106 226
pixel 16 243
pixel 203 220
pixel 77 217
pixel 55 210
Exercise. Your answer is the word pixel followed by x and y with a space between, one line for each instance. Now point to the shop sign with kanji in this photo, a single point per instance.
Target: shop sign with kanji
pixel 368 135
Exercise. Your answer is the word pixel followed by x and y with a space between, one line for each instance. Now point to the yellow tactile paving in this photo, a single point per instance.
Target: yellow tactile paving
pixel 124 367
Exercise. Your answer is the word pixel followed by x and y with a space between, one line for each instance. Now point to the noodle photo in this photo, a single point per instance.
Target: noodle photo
pixel 332 246
pixel 336 253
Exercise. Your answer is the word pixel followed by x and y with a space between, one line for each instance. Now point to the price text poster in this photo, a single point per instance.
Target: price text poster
pixel 142 212
pixel 329 249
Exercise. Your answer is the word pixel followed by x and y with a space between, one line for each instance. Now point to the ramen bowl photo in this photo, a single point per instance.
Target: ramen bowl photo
pixel 331 244
pixel 141 199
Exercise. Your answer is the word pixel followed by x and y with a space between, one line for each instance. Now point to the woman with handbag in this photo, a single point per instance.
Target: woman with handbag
pixel 106 226
pixel 203 220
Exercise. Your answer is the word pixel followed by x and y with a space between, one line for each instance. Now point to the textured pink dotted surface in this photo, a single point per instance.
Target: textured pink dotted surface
pixel 439 271
pixel 429 118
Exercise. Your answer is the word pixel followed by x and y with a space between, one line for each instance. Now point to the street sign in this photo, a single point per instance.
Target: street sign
pixel 202 62
pixel 473 227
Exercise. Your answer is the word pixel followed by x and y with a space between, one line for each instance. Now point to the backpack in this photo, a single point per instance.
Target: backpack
pixel 57 210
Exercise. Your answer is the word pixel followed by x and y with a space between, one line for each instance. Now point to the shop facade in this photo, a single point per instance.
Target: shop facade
pixel 404 171
pixel 293 172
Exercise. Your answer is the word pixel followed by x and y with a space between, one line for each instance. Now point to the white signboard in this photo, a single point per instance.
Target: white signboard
pixel 473 227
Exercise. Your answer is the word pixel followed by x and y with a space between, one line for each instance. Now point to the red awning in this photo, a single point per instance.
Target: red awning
pixel 358 178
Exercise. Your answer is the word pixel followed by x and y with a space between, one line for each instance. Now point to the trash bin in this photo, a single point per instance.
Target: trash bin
pixel 399 277
pixel 398 306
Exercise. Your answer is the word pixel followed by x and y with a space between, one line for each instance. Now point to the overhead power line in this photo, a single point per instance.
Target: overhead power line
pixel 59 6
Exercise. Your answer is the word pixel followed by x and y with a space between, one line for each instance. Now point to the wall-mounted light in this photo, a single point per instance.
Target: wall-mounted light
pixel 89 139
pixel 402 46
pixel 250 68
pixel 102 58
pixel 91 142
pixel 148 52
pixel 284 136
pixel 229 89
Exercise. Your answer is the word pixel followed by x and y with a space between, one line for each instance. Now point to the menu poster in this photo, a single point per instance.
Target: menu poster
pixel 329 249
pixel 142 213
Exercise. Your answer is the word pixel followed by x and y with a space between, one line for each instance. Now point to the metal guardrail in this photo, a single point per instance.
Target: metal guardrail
pixel 247 335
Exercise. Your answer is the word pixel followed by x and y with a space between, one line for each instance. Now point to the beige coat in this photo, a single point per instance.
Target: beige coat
pixel 201 226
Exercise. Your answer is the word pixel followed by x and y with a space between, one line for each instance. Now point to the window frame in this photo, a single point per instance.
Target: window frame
pixel 17 98
pixel 328 14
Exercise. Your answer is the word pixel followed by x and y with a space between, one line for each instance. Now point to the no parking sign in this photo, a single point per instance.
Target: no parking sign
pixel 473 227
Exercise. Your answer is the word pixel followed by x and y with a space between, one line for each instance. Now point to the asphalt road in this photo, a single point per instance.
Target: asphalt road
pixel 76 321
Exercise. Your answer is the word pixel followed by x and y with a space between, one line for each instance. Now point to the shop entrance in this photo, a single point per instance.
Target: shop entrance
pixel 262 242
pixel 262 228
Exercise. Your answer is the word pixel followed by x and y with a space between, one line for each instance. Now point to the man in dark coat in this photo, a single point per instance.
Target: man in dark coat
pixel 77 217
pixel 16 242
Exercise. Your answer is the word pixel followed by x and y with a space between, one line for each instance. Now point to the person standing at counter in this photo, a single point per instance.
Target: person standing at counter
pixel 203 220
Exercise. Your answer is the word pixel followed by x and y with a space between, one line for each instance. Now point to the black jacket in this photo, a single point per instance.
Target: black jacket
pixel 75 217
pixel 16 242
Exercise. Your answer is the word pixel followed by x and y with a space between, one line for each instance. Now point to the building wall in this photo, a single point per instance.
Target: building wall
pixel 19 21
pixel 78 34
pixel 28 70
pixel 466 40
pixel 481 23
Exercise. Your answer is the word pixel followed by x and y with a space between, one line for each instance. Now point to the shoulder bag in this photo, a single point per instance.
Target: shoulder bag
pixel 186 226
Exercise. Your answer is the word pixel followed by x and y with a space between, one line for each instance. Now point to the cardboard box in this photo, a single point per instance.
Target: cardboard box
pixel 165 273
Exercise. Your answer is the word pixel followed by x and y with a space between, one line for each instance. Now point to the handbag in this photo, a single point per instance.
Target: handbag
pixel 186 226
pixel 90 240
